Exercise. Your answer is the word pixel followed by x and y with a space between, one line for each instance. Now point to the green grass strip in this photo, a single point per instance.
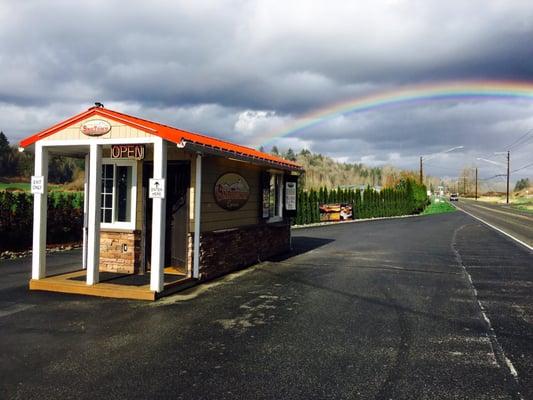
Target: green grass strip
pixel 441 207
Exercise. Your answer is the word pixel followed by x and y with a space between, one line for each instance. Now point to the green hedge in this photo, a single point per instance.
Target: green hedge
pixel 64 222
pixel 406 199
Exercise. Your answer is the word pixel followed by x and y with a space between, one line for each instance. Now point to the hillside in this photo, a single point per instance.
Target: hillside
pixel 324 171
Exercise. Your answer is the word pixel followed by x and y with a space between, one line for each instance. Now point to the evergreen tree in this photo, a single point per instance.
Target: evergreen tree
pixel 289 155
pixel 299 210
pixel 305 208
pixel 325 195
pixel 522 184
pixel 357 204
pixel 6 156
pixel 316 209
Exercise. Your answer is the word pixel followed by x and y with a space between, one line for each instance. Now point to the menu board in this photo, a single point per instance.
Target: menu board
pixel 290 196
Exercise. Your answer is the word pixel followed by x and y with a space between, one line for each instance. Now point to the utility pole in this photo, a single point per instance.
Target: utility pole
pixel 421 171
pixel 508 165
pixel 476 183
pixel 464 185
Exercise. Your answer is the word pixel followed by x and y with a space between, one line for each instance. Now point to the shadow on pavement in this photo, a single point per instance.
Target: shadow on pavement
pixel 302 245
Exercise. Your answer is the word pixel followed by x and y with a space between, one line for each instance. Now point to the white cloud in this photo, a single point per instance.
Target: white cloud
pixel 250 121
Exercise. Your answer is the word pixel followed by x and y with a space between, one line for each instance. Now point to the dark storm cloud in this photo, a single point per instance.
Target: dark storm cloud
pixel 237 69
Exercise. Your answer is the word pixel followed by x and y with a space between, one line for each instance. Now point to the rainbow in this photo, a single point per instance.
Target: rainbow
pixel 424 93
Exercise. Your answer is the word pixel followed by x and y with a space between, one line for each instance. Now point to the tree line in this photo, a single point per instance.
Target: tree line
pixel 406 198
pixel 15 165
pixel 324 171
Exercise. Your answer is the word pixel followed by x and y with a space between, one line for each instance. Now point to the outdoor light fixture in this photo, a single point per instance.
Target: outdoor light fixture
pixel 490 161
pixel 422 158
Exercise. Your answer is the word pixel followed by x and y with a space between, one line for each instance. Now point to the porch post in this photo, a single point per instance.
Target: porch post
pixel 197 212
pixel 40 201
pixel 158 219
pixel 85 210
pixel 93 233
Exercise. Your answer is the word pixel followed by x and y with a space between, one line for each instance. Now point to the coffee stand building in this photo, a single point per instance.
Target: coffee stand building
pixel 164 207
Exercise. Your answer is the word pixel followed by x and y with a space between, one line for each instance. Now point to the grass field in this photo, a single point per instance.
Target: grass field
pixel 24 186
pixel 14 186
pixel 520 201
pixel 523 204
pixel 438 208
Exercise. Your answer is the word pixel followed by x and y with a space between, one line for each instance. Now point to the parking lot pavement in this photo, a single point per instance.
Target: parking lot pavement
pixel 434 307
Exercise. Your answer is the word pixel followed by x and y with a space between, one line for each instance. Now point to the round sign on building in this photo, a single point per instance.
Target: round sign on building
pixel 231 191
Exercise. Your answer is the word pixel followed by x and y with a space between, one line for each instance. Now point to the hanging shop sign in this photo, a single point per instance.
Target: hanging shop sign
pixel 335 212
pixel 231 191
pixel 128 151
pixel 95 127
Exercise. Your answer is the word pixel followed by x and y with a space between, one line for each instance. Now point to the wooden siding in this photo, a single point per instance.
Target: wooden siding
pixel 213 216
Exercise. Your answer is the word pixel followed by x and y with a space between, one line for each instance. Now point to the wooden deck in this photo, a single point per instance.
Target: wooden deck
pixel 116 286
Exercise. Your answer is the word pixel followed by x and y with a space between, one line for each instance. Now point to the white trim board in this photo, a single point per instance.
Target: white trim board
pixel 87 142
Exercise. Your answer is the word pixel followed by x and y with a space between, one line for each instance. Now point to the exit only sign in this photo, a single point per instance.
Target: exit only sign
pixel 128 151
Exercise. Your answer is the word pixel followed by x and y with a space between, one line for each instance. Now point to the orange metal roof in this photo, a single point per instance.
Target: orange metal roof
pixel 166 132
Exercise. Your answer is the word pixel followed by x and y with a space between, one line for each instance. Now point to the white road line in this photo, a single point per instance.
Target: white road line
pixel 497 349
pixel 501 211
pixel 15 308
pixel 496 228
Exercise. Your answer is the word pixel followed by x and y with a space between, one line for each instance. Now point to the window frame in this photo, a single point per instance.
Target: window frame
pixel 133 193
pixel 279 180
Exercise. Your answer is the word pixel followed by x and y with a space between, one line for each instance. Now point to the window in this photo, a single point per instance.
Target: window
pixel 107 193
pixel 124 193
pixel 118 194
pixel 275 197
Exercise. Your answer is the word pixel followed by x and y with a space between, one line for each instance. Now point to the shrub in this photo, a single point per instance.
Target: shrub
pixel 408 197
pixel 64 221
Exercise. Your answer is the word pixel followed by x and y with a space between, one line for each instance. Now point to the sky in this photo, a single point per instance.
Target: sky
pixel 244 70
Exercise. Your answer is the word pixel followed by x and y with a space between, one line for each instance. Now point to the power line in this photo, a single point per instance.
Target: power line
pixel 492 177
pixel 521 141
pixel 522 144
pixel 523 167
pixel 520 138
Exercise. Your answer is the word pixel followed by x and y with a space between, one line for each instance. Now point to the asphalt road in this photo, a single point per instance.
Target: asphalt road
pixel 434 307
pixel 517 223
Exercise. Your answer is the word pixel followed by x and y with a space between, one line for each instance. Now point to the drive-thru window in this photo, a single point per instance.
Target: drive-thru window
pixel 164 207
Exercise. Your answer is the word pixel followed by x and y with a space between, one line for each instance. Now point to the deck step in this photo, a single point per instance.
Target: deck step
pixel 100 289
pixel 178 286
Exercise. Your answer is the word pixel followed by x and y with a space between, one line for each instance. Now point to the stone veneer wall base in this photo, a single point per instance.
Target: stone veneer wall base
pixel 229 250
pixel 113 258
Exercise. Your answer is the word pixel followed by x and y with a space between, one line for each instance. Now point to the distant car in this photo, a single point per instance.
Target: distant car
pixel 454 197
